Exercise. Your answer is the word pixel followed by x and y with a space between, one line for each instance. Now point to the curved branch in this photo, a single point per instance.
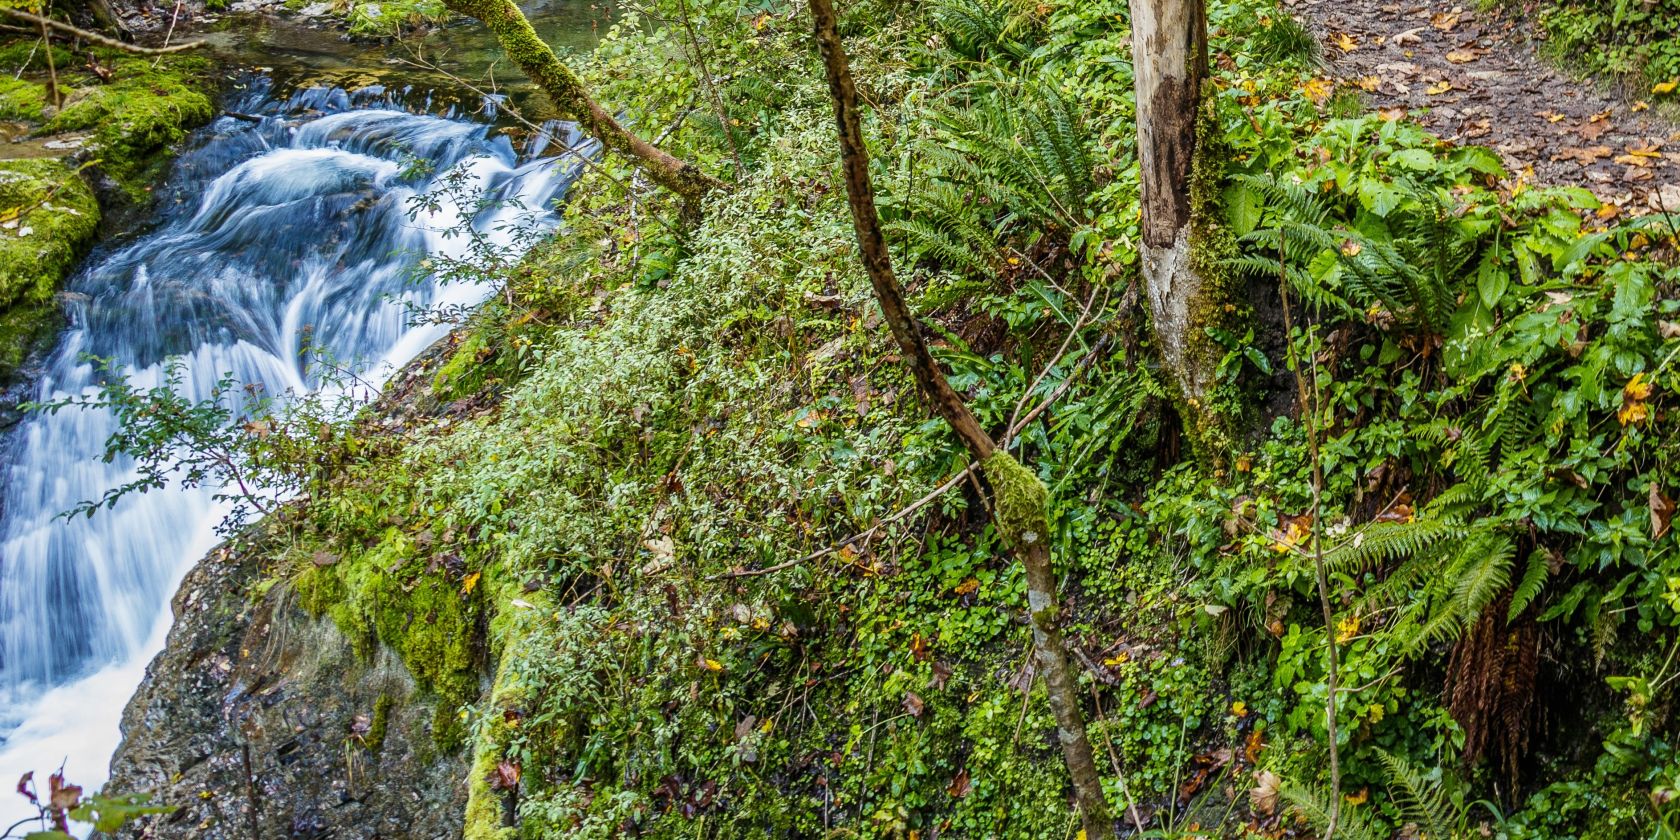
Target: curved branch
pixel 96 38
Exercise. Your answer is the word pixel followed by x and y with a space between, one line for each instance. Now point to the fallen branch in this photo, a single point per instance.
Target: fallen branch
pixel 96 38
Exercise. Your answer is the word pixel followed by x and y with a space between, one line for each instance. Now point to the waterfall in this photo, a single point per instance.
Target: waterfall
pixel 297 231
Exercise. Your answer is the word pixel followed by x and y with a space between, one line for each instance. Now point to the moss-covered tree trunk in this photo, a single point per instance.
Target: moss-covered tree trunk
pixel 1169 59
pixel 567 91
pixel 1021 501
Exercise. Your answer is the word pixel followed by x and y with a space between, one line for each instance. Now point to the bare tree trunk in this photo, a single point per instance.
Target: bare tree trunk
pixel 1169 60
pixel 538 61
pixel 1021 501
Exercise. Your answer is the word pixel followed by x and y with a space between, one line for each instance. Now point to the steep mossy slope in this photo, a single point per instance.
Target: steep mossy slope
pixel 612 559
pixel 48 216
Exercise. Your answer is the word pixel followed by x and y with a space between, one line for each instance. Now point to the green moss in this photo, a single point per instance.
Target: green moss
pixel 510 630
pixel 390 595
pixel 55 218
pixel 387 18
pixel 25 55
pixel 21 99
pixel 462 372
pixel 1020 500
pixel 139 116
pixel 381 722
pixel 1219 307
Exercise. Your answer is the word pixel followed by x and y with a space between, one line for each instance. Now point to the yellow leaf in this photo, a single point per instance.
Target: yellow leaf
pixel 711 664
pixel 1438 88
pixel 1318 90
pixel 470 582
pixel 1665 87
pixel 1239 708
pixel 1462 56
pixel 1346 43
pixel 1360 797
pixel 1369 84
pixel 1351 248
pixel 1347 628
pixel 1637 388
pixel 1640 106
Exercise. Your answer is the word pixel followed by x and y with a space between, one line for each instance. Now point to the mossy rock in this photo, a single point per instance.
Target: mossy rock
pixel 388 18
pixel 47 218
pixel 25 55
pixel 21 99
pixel 136 118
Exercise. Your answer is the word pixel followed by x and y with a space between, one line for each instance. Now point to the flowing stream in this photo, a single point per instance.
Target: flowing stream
pixel 295 234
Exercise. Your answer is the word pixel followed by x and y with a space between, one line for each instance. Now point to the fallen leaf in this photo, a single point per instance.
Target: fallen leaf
pixel 967 587
pixel 1552 116
pixel 1438 88
pixel 1369 84
pixel 505 776
pixel 1263 798
pixel 1665 87
pixel 1346 43
pixel 959 786
pixel 1584 154
pixel 1391 114
pixel 913 704
pixel 1662 512
pixel 1463 56
pixel 1317 90
pixel 1444 21
pixel 323 558
pixel 941 675
pixel 470 582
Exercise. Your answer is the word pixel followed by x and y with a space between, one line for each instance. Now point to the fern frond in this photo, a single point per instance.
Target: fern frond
pixel 1312 803
pixel 1421 800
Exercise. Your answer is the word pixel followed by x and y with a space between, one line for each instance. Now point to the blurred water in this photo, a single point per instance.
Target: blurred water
pixel 281 241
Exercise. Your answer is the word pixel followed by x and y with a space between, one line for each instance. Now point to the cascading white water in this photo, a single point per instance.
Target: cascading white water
pixel 300 231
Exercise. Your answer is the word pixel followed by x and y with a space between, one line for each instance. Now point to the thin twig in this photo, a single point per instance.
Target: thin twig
pixel 1309 411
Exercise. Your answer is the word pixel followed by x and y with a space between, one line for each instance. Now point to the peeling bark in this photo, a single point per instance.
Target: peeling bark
pixel 1020 509
pixel 1169 56
pixel 567 91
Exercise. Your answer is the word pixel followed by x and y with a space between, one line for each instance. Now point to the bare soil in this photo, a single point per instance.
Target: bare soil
pixel 1473 77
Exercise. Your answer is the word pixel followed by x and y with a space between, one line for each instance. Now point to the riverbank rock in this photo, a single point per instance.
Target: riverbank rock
pixel 259 720
pixel 48 217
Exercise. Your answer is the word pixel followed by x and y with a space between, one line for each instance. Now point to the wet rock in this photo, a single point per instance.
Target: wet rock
pixel 259 720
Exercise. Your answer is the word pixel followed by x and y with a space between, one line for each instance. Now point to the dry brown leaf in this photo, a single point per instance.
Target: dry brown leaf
pixel 1585 155
pixel 1463 56
pixel 1662 512
pixel 1444 21
pixel 1263 798
pixel 1391 114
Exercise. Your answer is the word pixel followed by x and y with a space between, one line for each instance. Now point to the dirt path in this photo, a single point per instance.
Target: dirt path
pixel 1471 77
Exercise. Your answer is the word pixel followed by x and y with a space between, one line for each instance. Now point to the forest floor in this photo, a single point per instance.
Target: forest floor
pixel 1472 76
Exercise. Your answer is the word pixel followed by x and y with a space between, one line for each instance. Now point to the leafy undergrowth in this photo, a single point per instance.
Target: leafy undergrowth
pixel 618 555
pixel 1634 40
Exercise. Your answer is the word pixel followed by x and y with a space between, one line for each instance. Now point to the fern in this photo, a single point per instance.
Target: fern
pixel 1420 799
pixel 1534 578
pixel 1313 804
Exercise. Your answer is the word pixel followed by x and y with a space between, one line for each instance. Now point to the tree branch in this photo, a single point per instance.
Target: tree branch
pixel 96 38
pixel 504 20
